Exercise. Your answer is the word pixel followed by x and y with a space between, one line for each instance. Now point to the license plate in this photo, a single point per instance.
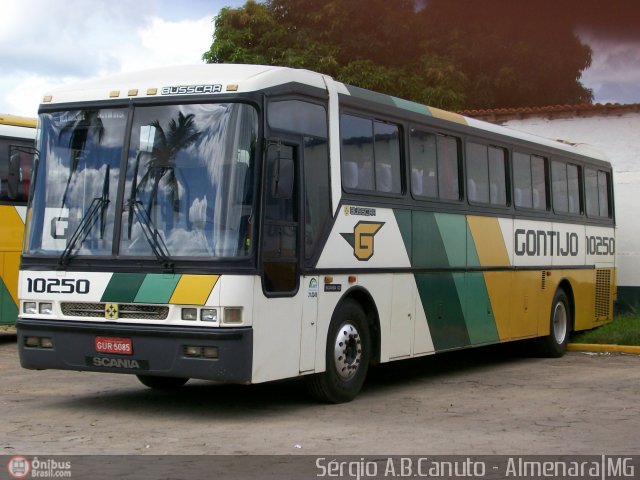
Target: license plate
pixel 121 346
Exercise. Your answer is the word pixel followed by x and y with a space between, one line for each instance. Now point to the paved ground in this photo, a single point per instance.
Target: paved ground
pixel 482 401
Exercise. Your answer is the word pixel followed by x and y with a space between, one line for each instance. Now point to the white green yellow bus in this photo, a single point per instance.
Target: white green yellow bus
pixel 17 139
pixel 245 224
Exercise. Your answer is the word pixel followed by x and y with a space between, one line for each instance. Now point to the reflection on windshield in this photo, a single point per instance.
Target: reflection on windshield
pixel 187 191
pixel 80 153
pixel 190 168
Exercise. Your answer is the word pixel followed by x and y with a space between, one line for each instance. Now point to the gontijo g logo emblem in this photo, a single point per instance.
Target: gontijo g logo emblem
pixel 362 239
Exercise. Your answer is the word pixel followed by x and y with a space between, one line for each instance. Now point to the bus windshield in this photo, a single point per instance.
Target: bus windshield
pixel 187 189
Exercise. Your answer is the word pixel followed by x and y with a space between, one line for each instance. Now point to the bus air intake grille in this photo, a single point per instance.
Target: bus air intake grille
pixel 603 293
pixel 125 310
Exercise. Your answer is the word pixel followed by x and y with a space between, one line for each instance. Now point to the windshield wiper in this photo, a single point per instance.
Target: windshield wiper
pixel 97 209
pixel 151 233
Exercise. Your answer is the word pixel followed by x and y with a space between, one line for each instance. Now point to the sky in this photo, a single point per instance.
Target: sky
pixel 47 43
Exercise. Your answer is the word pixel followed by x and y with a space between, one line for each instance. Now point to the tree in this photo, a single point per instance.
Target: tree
pixel 446 53
pixel 161 165
pixel 514 53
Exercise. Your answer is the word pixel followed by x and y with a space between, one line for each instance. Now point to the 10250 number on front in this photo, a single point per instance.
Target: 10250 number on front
pixel 58 285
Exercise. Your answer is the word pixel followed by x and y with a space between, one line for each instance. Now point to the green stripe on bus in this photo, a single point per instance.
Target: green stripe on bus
pixel 473 259
pixel 403 219
pixel 428 250
pixel 8 309
pixel 369 95
pixel 123 287
pixel 411 106
pixel 157 288
pixel 441 303
pixel 453 230
pixel 478 314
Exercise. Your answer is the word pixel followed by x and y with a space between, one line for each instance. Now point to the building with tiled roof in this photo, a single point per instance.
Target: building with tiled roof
pixel 613 129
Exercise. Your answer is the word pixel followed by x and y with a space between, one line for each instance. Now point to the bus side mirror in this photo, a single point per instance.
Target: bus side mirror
pixel 283 179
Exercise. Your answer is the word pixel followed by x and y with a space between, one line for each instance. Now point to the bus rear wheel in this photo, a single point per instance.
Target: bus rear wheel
pixel 161 383
pixel 555 344
pixel 347 356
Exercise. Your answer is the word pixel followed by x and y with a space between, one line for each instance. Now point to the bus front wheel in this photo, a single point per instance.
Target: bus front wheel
pixel 347 356
pixel 161 383
pixel 555 344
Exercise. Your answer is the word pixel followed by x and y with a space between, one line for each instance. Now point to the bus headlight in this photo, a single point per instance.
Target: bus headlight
pixel 45 308
pixel 30 308
pixel 209 315
pixel 189 314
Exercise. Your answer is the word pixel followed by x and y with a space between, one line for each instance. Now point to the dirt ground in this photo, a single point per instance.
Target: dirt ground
pixel 482 401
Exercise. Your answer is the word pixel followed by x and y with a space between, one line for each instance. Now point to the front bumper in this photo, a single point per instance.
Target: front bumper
pixel 157 349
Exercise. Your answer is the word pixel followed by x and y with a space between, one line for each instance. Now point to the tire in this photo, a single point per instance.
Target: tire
pixel 348 353
pixel 162 383
pixel 555 344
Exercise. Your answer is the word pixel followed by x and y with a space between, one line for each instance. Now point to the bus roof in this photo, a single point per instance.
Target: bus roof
pixel 213 79
pixel 16 121
pixel 13 126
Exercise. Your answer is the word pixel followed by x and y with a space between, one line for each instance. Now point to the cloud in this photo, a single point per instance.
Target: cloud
pixel 76 39
pixel 47 43
pixel 614 74
pixel 163 42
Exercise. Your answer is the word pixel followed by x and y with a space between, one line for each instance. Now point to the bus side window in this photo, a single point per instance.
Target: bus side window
pixel 424 174
pixel 434 165
pixel 477 173
pixel 565 180
pixel 597 192
pixel 539 182
pixel 573 188
pixel 370 155
pixel 486 174
pixel 448 173
pixel 530 181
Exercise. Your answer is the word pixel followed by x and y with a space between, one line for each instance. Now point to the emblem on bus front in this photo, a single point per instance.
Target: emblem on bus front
pixel 362 239
pixel 111 311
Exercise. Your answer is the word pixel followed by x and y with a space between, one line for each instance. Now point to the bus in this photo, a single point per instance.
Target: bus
pixel 244 224
pixel 17 139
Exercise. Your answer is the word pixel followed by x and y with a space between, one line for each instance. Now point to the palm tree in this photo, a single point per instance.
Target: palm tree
pixel 167 146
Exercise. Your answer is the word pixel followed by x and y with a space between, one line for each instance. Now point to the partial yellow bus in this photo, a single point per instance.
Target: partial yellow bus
pixel 17 136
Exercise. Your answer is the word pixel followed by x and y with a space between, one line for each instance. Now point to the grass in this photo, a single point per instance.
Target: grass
pixel 624 330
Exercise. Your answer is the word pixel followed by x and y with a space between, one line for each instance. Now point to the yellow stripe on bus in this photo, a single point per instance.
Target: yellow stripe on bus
pixel 497 284
pixel 10 267
pixel 492 252
pixel 487 236
pixel 12 229
pixel 194 289
pixel 445 115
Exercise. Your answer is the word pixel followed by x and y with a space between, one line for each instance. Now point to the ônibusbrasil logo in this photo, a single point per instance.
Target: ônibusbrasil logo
pixel 19 466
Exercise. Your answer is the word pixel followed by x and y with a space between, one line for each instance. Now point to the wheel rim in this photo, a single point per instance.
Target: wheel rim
pixel 347 351
pixel 560 322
